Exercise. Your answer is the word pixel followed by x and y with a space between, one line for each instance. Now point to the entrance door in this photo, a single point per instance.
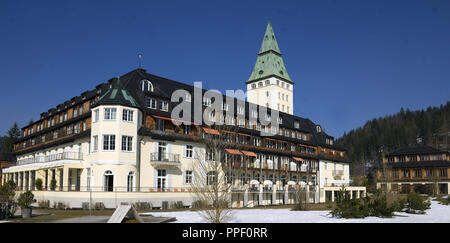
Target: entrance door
pixel 108 181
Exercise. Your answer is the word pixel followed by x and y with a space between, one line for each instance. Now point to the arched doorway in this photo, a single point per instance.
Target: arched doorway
pixel 130 182
pixel 108 179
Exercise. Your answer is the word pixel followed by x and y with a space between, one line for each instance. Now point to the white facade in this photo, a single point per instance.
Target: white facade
pixel 273 93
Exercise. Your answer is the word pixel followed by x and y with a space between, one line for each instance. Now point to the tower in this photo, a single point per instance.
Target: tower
pixel 269 84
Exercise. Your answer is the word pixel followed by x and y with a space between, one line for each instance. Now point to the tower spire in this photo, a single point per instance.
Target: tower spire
pixel 269 62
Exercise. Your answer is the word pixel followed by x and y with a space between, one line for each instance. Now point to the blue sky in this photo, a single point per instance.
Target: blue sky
pixel 352 61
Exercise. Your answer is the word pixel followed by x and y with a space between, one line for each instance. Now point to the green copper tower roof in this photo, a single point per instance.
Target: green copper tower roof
pixel 269 62
pixel 117 95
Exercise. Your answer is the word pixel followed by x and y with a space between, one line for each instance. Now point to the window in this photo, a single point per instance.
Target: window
pixel 127 143
pixel 260 84
pixel 110 114
pixel 253 86
pixel 188 178
pixel 443 172
pixel 162 178
pixel 189 151
pixel 267 82
pixel 225 106
pixel 109 142
pixel 164 105
pixel 188 97
pixel 206 101
pixel 130 182
pixel 146 85
pixel 96 115
pixel 210 178
pixel 297 125
pixel 95 144
pixel 241 110
pixel 287 97
pixel 254 113
pixel 127 115
pixel 187 129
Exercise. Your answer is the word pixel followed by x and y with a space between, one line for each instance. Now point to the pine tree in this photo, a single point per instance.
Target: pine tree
pixel 13 135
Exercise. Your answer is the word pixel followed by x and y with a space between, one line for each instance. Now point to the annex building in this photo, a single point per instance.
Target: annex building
pixel 423 169
pixel 117 143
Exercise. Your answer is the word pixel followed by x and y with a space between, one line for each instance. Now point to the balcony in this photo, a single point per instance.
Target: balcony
pixel 51 158
pixel 165 159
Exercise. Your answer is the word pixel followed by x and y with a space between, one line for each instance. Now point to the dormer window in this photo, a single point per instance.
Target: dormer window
pixel 318 129
pixel 188 97
pixel 146 86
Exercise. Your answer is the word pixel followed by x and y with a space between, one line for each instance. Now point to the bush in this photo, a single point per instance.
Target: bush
pixel 416 204
pixel 142 205
pixel 38 184
pixel 26 199
pixel 199 204
pixel 99 206
pixel 376 206
pixel 300 200
pixel 60 205
pixel 44 204
pixel 379 207
pixel 53 184
pixel 176 205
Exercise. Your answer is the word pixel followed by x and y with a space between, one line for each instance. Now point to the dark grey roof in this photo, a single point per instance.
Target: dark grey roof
pixel 416 150
pixel 117 95
pixel 433 163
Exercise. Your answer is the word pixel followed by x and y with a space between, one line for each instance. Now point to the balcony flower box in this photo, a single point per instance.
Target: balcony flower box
pixel 182 189
pixel 151 190
pixel 266 166
pixel 159 189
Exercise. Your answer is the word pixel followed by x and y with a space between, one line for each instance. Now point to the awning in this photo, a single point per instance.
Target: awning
pixel 233 151
pixel 267 182
pixel 292 183
pixel 298 159
pixel 211 131
pixel 254 182
pixel 248 153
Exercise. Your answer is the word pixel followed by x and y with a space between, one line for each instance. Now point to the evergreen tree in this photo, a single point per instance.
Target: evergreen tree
pixel 13 135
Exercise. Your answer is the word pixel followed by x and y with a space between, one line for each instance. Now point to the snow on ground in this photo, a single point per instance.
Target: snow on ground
pixel 437 214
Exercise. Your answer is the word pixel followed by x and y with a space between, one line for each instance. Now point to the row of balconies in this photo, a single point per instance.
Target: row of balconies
pixel 52 157
pixel 174 159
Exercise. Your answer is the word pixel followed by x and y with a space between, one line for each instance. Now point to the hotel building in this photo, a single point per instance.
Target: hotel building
pixel 117 143
pixel 423 169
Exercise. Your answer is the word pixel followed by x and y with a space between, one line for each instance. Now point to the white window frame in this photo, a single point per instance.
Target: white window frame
pixel 128 143
pixel 110 114
pixel 110 144
pixel 127 115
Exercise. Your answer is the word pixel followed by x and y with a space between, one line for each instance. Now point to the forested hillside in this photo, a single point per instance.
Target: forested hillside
pixel 402 129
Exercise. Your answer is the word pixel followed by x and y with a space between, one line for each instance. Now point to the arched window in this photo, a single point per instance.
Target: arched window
pixel 108 181
pixel 130 182
pixel 146 86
